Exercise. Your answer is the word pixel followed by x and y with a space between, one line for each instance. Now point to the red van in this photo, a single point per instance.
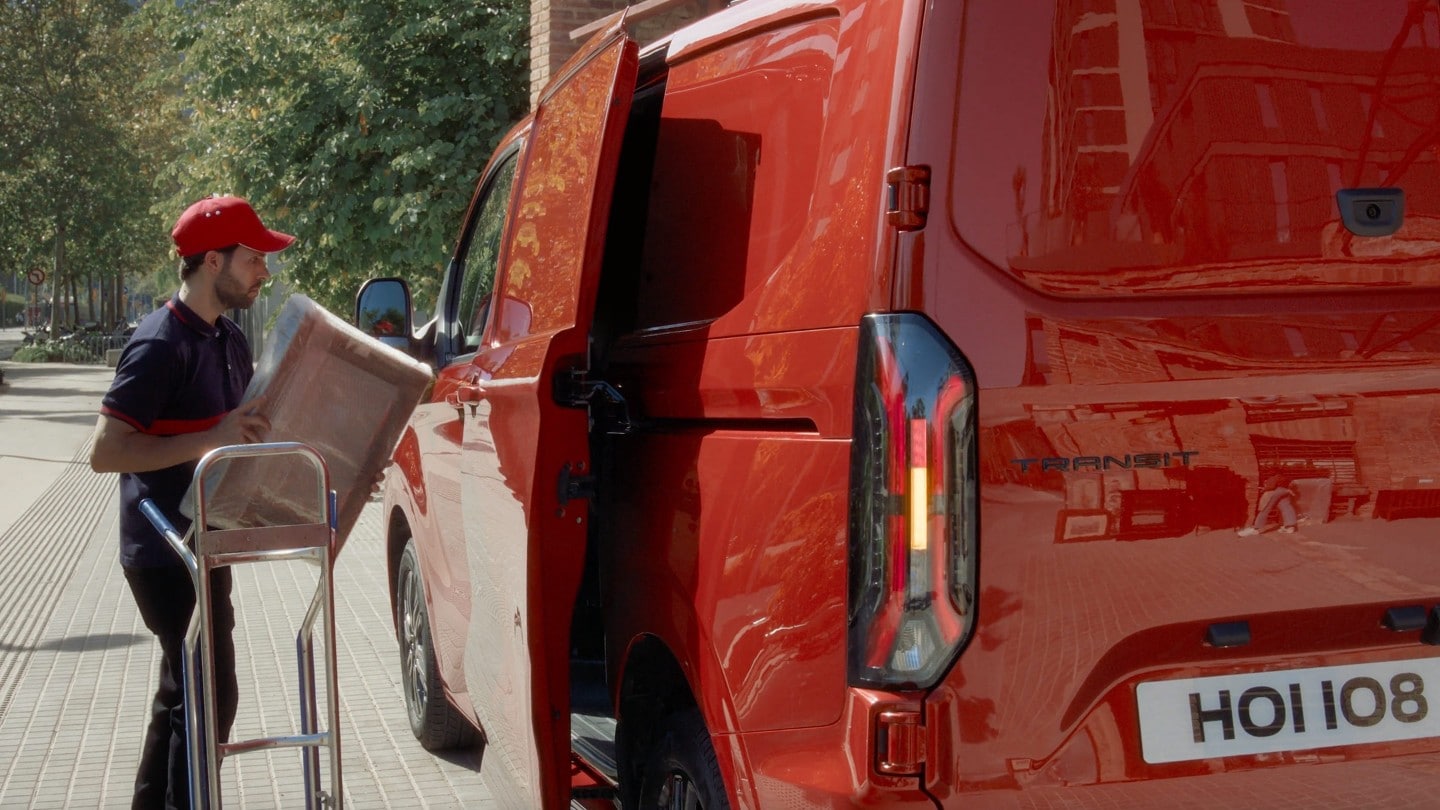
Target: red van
pixel 981 404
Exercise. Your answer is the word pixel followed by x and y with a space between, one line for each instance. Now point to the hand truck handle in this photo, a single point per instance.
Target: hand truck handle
pixel 165 528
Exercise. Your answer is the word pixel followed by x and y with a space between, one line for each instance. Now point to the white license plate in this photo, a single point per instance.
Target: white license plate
pixel 1290 710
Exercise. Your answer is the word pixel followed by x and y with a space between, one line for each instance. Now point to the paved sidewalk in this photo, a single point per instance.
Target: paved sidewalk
pixel 77 666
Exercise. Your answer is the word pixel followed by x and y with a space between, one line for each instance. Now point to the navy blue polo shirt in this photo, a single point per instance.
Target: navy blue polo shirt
pixel 178 374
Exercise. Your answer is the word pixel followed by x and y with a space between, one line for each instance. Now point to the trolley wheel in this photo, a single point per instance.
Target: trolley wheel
pixel 433 721
pixel 682 770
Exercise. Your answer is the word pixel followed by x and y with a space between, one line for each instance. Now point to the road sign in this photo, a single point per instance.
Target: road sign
pixel 36 276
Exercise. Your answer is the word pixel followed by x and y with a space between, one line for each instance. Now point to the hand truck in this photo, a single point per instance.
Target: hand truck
pixel 311 542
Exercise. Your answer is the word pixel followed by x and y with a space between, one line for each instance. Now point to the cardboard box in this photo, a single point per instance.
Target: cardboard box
pixel 333 388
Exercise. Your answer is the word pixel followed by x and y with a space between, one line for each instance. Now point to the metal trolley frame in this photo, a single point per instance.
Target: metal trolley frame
pixel 311 542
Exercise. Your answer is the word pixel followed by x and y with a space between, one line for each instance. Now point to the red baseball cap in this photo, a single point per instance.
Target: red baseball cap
pixel 215 223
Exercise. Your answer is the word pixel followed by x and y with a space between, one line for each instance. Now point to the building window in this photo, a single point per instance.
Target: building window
pixel 1317 103
pixel 1281 187
pixel 1367 104
pixel 1267 106
pixel 1296 339
pixel 1332 169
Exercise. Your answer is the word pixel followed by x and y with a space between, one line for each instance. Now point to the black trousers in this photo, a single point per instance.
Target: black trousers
pixel 166 599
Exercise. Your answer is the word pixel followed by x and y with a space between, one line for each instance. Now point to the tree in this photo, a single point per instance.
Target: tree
pixel 359 127
pixel 79 143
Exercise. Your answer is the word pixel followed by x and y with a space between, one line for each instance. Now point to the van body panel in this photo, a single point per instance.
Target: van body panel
pixel 1204 397
pixel 804 378
pixel 1144 381
pixel 739 230
pixel 433 502
pixel 1404 780
pixel 828 766
pixel 1113 514
pixel 428 500
pixel 743 22
pixel 712 591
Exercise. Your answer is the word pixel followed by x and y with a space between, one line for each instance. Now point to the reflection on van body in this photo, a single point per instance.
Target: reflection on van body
pixel 987 404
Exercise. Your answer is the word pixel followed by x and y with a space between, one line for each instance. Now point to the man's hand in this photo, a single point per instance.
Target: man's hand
pixel 379 482
pixel 246 424
pixel 119 447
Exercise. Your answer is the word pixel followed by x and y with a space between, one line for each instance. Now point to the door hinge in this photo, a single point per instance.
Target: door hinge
pixel 608 409
pixel 908 205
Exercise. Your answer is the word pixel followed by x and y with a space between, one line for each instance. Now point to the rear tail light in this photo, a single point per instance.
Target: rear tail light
pixel 913 505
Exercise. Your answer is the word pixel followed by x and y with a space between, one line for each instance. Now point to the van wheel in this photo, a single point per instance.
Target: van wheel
pixel 682 772
pixel 433 721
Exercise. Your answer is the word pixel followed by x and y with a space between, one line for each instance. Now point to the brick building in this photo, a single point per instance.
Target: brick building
pixel 559 27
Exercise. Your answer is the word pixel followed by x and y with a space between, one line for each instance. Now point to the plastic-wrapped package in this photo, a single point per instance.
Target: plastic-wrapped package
pixel 329 386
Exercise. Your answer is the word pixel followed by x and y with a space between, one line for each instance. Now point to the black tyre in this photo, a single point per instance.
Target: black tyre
pixel 433 720
pixel 682 772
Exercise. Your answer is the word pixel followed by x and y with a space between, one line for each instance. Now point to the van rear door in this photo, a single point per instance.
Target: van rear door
pixel 1190 251
pixel 526 536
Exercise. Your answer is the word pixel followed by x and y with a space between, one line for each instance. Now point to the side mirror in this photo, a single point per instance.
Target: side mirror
pixel 382 310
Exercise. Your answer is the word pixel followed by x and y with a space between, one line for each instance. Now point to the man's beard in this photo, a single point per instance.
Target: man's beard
pixel 230 291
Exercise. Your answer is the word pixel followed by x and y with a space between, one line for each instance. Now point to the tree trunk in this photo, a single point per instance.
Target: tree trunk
pixel 57 283
pixel 74 300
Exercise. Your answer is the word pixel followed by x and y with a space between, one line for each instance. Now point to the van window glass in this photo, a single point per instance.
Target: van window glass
pixel 480 254
pixel 1202 140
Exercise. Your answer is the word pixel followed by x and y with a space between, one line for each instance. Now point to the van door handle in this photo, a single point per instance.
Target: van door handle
pixel 467 394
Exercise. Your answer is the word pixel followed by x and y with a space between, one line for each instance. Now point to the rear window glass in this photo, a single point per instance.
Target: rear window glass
pixel 1102 134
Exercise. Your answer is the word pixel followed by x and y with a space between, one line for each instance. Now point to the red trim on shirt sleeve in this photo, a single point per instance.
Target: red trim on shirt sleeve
pixel 175 427
pixel 108 411
pixel 166 427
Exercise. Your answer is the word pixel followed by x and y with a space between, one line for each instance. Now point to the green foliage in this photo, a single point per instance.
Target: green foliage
pixel 10 305
pixel 55 351
pixel 79 140
pixel 358 127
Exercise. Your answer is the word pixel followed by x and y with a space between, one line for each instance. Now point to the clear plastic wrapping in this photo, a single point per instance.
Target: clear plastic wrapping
pixel 329 386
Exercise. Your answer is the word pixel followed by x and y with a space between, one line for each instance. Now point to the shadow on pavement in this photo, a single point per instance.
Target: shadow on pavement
pixel 86 643
pixel 73 418
pixel 463 757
